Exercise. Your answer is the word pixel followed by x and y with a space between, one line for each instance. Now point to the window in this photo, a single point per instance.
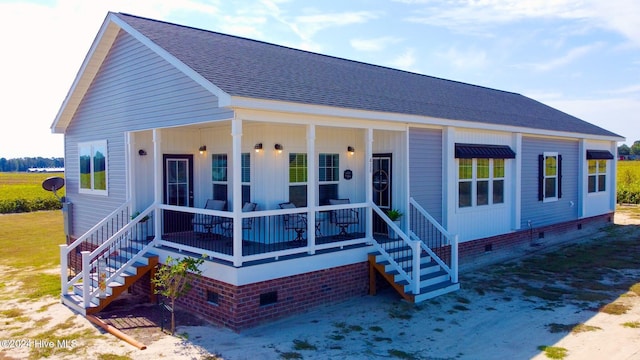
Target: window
pixel 93 167
pixel 328 177
pixel 597 164
pixel 549 176
pixel 480 182
pixel 298 179
pixel 246 177
pixel 219 176
pixel 597 176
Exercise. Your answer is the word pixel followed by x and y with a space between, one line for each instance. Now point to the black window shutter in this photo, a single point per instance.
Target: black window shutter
pixel 540 177
pixel 559 176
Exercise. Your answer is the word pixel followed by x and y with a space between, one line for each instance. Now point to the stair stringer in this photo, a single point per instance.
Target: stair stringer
pixel 117 288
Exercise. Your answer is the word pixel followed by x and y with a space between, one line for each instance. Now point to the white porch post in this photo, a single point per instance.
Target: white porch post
pixel 86 279
pixel 236 133
pixel 157 182
pixel 64 269
pixel 407 174
pixel 130 169
pixel 368 156
pixel 415 266
pixel 454 259
pixel 311 189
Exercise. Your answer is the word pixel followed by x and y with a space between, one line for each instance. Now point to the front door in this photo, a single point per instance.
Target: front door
pixel 178 190
pixel 381 181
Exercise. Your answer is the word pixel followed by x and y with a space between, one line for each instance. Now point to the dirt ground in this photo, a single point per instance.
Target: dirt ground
pixel 495 315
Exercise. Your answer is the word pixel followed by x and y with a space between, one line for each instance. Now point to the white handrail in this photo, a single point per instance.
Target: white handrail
pixel 95 228
pixel 413 245
pixel 431 219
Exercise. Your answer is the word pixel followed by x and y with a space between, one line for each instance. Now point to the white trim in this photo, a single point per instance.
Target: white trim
pixel 239 102
pixel 92 146
pixel 516 188
pixel 490 182
pixel 544 177
pixel 583 171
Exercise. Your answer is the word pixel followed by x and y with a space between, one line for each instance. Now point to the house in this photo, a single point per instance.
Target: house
pixel 279 165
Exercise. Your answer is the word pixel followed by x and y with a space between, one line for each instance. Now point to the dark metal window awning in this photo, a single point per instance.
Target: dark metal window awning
pixel 480 151
pixel 599 155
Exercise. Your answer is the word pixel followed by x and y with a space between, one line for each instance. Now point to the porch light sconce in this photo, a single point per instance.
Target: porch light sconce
pixel 202 149
pixel 142 152
pixel 278 147
pixel 350 150
pixel 258 147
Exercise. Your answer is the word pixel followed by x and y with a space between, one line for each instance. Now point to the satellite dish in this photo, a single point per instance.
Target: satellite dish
pixel 53 184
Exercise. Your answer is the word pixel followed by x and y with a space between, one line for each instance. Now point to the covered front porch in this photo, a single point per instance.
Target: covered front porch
pixel 273 197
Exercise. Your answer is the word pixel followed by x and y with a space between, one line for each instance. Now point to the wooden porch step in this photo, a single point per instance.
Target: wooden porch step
pixel 434 281
pixel 117 288
pixel 75 301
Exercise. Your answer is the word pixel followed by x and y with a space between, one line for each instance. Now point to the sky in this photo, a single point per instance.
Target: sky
pixel 579 56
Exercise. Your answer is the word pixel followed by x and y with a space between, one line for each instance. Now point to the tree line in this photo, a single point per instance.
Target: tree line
pixel 24 164
pixel 626 150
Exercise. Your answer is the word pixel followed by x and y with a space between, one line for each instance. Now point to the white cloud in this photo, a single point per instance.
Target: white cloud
pixel 306 26
pixel 405 61
pixel 375 44
pixel 466 59
pixel 481 16
pixel 619 115
pixel 43 48
pixel 566 59
pixel 631 89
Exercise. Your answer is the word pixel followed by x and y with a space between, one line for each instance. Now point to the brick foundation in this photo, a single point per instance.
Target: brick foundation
pixel 239 307
pixel 492 249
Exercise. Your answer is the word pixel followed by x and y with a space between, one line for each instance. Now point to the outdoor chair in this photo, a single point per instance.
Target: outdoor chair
pixel 296 222
pixel 343 218
pixel 247 223
pixel 209 222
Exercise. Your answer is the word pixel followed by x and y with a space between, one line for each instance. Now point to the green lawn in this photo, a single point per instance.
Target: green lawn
pixel 29 246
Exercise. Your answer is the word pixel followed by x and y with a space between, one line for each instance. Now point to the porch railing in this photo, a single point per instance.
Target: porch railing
pixel 266 234
pixel 440 244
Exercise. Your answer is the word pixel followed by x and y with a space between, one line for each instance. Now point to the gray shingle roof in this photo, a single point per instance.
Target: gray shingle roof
pixel 249 68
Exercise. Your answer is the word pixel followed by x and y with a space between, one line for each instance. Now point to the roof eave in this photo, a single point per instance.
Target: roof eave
pixel 333 111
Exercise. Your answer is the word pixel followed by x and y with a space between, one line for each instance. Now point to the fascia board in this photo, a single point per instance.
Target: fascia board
pixel 320 110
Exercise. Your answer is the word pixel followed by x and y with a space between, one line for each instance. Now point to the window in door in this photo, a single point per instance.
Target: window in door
pixel 298 179
pixel 219 176
pixel 328 177
pixel 246 177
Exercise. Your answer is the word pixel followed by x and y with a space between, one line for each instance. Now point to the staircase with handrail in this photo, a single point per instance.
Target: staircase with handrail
pixel 421 263
pixel 106 260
